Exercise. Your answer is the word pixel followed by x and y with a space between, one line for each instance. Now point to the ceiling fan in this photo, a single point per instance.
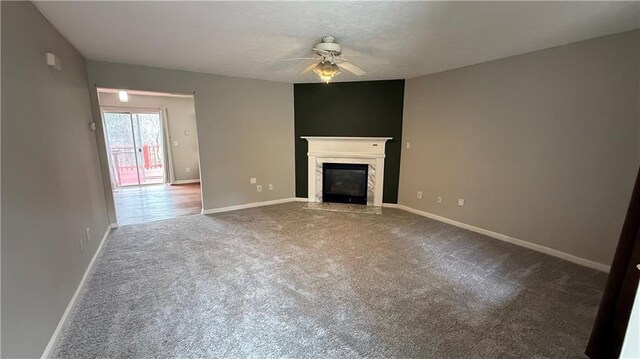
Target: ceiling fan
pixel 328 60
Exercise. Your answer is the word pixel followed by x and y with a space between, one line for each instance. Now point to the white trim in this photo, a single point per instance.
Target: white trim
pixel 503 237
pixel 114 225
pixel 145 93
pixel 167 139
pixel 331 138
pixel 345 154
pixel 252 205
pixel 72 303
pixel 197 180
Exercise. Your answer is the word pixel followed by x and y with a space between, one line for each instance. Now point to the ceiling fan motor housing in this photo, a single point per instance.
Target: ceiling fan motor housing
pixel 328 46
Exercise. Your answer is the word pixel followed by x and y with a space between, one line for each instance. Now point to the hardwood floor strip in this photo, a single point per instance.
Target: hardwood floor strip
pixel 139 204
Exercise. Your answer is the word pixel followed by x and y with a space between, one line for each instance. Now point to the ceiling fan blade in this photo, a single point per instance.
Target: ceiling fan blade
pixel 309 68
pixel 352 68
pixel 370 59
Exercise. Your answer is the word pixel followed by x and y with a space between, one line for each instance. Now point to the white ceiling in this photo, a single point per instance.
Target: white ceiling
pixel 390 40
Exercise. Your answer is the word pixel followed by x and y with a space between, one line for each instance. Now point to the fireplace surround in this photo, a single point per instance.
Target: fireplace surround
pixel 369 151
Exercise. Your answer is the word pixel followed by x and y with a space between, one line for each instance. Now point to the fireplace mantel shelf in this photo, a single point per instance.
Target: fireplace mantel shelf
pixel 345 154
pixel 346 138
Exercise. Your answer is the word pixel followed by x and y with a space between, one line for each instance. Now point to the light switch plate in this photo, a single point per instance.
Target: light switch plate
pixel 461 202
pixel 252 180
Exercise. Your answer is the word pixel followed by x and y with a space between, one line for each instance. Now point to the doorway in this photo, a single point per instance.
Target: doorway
pixel 152 154
pixel 135 147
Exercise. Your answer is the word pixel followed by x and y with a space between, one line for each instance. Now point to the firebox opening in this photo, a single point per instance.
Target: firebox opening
pixel 344 183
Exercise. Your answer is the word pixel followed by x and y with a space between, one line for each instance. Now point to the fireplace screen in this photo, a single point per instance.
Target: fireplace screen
pixel 344 182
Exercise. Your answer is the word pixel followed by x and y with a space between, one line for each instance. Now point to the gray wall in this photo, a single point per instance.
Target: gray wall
pixel 245 129
pixel 182 117
pixel 542 146
pixel 51 183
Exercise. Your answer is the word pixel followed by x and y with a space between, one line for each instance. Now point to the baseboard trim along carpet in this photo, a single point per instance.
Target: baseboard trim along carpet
pixel 250 205
pixel 503 237
pixel 72 303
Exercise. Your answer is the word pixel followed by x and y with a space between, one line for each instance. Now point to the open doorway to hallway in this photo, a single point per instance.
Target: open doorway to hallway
pixel 152 150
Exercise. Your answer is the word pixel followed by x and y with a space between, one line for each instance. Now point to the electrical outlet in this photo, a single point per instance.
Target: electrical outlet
pixel 252 180
pixel 439 200
pixel 259 188
pixel 408 145
pixel 270 186
pixel 187 169
pixel 87 231
pixel 461 202
pixel 419 195
pixel 175 143
pixel 187 133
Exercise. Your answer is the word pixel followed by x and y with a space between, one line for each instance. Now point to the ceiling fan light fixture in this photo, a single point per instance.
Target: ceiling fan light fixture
pixel 318 69
pixel 335 70
pixel 326 71
pixel 326 79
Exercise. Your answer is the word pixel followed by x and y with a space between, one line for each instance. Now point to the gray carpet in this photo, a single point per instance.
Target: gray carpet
pixel 281 281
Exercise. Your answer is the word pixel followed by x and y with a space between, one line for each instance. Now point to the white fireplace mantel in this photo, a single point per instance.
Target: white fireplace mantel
pixel 363 150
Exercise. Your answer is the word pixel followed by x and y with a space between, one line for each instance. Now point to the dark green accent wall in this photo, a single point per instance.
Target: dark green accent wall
pixel 358 109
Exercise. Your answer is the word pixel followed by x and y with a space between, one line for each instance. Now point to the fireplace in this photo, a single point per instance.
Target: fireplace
pixel 344 182
pixel 366 152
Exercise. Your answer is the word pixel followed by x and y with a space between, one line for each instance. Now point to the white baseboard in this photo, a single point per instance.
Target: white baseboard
pixel 250 205
pixel 72 303
pixel 197 180
pixel 503 237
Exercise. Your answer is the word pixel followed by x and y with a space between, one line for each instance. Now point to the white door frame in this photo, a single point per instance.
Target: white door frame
pixel 167 139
